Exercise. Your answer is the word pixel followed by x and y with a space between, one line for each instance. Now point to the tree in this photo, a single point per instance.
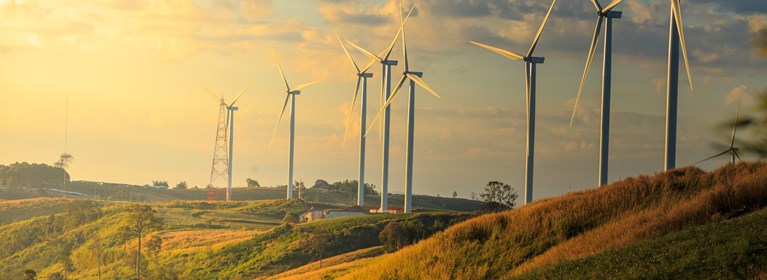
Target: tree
pixel 252 183
pixel 321 184
pixel 160 183
pixel 318 242
pixel 498 197
pixel 140 219
pixel 455 194
pixel 33 175
pixel 290 218
pixel 181 185
pixel 473 196
pixel 394 236
pixel 64 160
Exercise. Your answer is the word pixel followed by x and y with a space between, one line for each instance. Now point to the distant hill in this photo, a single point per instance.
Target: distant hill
pixel 682 223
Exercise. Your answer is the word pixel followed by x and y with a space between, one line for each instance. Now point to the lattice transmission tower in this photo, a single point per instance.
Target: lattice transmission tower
pixel 220 168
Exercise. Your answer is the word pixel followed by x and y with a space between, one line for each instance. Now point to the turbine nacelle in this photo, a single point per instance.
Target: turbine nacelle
pixel 390 62
pixel 535 59
pixel 295 92
pixel 610 14
pixel 419 74
pixel 365 75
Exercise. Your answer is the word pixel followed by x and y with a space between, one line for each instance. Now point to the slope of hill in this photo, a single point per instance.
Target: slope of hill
pixel 580 225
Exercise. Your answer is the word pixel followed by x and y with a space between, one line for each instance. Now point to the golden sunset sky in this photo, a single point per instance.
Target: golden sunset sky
pixel 133 72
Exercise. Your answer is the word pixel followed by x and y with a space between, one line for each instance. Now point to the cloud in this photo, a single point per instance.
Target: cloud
pixel 739 93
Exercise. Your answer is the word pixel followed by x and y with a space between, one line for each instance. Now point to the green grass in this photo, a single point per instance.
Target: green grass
pixel 728 249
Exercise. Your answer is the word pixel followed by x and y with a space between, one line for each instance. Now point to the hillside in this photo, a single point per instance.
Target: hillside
pixel 605 231
pixel 199 240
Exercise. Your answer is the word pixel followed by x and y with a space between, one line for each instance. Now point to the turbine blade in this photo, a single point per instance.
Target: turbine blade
pixel 423 84
pixel 347 53
pixel 212 94
pixel 589 59
pixel 364 51
pixel 299 87
pixel 388 102
pixel 287 96
pixel 387 52
pixel 240 93
pixel 351 111
pixel 404 38
pixel 680 28
pixel 711 157
pixel 540 30
pixel 282 74
pixel 737 155
pixel 367 67
pixel 735 125
pixel 611 6
pixel 596 5
pixel 508 54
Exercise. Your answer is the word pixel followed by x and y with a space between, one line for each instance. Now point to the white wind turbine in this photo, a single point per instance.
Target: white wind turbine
pixel 229 124
pixel 676 37
pixel 530 65
pixel 415 78
pixel 604 132
pixel 291 95
pixel 386 65
pixel 362 76
pixel 732 150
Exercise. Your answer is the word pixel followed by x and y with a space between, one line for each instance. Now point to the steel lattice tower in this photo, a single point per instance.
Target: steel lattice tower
pixel 220 166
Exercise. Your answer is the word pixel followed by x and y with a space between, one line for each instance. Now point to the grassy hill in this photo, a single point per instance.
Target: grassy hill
pixel 200 240
pixel 608 232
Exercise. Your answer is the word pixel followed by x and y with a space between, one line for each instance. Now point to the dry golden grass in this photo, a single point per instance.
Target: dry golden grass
pixel 191 239
pixel 577 225
pixel 334 264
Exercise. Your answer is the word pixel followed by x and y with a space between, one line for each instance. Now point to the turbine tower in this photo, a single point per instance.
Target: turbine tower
pixel 363 76
pixel 605 15
pixel 291 95
pixel 220 156
pixel 415 78
pixel 675 38
pixel 386 65
pixel 732 150
pixel 530 82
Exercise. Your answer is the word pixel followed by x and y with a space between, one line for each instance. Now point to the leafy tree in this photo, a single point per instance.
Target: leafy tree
pixel 498 197
pixel 318 242
pixel 181 185
pixel 321 184
pixel 455 194
pixel 394 236
pixel 33 175
pixel 473 196
pixel 252 183
pixel 64 160
pixel 142 218
pixel 160 183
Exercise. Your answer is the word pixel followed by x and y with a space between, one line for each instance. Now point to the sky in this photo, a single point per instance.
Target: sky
pixel 132 72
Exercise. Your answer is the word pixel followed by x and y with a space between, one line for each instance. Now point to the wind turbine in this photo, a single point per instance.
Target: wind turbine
pixel 386 65
pixel 530 65
pixel 415 78
pixel 229 124
pixel 676 37
pixel 604 132
pixel 362 75
pixel 732 150
pixel 291 95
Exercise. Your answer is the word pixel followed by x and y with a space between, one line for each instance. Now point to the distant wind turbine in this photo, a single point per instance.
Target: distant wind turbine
pixel 415 78
pixel 363 76
pixel 230 124
pixel 676 37
pixel 386 65
pixel 291 95
pixel 732 150
pixel 604 132
pixel 530 64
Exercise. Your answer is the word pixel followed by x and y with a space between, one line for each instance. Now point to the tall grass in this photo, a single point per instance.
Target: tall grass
pixel 578 224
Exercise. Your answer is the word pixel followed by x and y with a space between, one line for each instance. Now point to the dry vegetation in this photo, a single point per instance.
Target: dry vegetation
pixel 578 225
